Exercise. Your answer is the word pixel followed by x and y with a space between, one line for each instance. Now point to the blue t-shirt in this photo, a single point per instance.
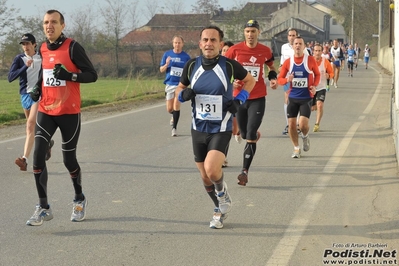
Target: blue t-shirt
pixel 175 68
pixel 351 55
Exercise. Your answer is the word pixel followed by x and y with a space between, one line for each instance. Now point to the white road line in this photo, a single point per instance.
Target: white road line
pixel 287 245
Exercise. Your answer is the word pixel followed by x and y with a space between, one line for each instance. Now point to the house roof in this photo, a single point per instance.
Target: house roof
pixel 179 20
pixel 160 37
pixel 263 9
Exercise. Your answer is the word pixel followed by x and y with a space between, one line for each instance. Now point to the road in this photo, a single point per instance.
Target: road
pixel 147 206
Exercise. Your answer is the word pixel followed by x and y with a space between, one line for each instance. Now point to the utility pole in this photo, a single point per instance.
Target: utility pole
pixel 353 12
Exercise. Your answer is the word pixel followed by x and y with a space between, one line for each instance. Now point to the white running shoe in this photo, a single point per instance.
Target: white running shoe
pixel 217 219
pixel 224 199
pixel 79 210
pixel 238 138
pixel 306 143
pixel 174 132
pixel 296 153
pixel 40 215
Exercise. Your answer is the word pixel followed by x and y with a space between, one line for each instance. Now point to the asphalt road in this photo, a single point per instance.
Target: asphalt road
pixel 147 206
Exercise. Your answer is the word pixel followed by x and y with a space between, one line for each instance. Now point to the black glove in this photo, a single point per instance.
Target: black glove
pixel 186 95
pixel 232 106
pixel 60 72
pixel 272 75
pixel 35 93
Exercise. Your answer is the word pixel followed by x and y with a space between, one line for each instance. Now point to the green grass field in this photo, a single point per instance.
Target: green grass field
pixel 103 91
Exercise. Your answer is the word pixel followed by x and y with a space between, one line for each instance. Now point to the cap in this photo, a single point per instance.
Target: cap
pixel 252 23
pixel 367 45
pixel 27 37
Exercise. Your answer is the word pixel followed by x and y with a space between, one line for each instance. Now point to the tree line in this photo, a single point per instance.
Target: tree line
pixel 100 28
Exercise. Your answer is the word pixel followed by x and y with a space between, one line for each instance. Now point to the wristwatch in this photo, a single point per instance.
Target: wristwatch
pixel 74 76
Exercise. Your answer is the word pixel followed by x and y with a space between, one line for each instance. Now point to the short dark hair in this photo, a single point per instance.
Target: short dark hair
pixel 293 29
pixel 51 11
pixel 213 27
pixel 228 43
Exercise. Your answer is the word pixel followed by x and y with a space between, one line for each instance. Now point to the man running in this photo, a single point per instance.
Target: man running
pixel 253 56
pixel 64 66
pixel 172 64
pixel 213 105
pixel 326 72
pixel 336 53
pixel 304 76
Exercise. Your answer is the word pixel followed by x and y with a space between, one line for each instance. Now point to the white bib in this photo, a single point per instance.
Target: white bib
pixel 208 107
pixel 254 71
pixel 300 82
pixel 176 71
pixel 50 80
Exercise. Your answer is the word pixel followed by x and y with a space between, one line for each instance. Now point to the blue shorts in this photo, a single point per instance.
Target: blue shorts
pixel 337 63
pixel 26 101
pixel 366 59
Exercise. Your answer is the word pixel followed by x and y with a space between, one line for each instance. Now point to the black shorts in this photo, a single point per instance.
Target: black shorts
pixel 249 117
pixel 204 142
pixel 295 106
pixel 320 96
pixel 350 64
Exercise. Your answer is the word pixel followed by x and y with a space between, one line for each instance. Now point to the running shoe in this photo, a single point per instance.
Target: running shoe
pixel 238 138
pixel 48 153
pixel 316 128
pixel 225 163
pixel 285 131
pixel 328 87
pixel 40 215
pixel 296 153
pixel 171 122
pixel 335 85
pixel 306 143
pixel 21 162
pixel 174 132
pixel 224 200
pixel 79 210
pixel 243 178
pixel 217 219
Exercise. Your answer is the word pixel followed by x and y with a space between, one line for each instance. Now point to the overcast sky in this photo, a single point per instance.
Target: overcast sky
pixel 67 7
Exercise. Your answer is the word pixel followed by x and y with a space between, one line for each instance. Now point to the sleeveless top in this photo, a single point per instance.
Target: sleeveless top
pixel 213 90
pixel 58 97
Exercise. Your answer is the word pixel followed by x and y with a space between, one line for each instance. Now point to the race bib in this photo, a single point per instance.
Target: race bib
pixel 176 71
pixel 300 82
pixel 254 71
pixel 50 81
pixel 208 107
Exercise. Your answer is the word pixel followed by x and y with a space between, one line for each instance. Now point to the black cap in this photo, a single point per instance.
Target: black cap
pixel 27 37
pixel 252 23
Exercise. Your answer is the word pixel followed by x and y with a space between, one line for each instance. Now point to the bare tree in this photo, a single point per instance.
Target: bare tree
pixel 134 15
pixel 82 29
pixel 22 25
pixel 175 6
pixel 151 8
pixel 7 16
pixel 365 21
pixel 114 15
pixel 205 6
